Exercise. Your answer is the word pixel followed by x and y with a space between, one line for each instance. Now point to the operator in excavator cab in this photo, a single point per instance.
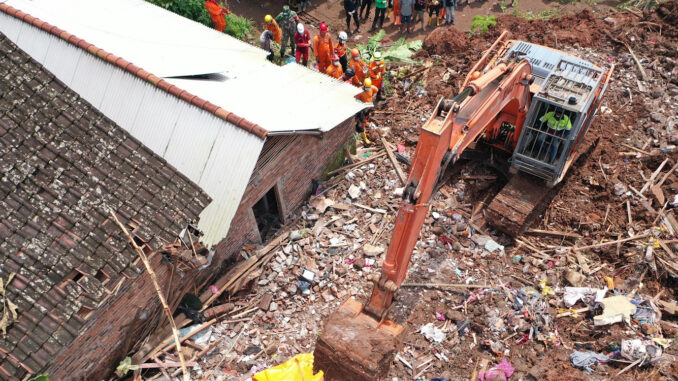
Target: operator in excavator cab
pixel 559 125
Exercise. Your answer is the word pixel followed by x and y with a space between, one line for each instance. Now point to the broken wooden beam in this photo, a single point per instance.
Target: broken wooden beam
pixel 394 162
pixel 161 295
pixel 357 164
pixel 552 233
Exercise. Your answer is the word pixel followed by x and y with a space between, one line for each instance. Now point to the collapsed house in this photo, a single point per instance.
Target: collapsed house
pixel 203 135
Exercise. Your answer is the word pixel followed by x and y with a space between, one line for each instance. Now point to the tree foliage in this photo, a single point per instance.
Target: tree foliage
pixel 191 9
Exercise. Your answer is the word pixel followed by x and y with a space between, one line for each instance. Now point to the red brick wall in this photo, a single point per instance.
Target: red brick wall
pixel 292 171
pixel 113 329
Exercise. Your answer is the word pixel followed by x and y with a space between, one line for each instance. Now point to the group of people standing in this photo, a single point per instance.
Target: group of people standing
pixel 331 58
pixel 405 13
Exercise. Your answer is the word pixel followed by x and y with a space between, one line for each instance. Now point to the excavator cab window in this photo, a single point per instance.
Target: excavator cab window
pixel 548 134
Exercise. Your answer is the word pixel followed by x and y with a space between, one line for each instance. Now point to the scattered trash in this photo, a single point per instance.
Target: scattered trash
pixel 640 350
pixel 432 333
pixel 575 278
pixel 500 372
pixel 372 251
pixel 354 191
pixel 491 245
pixel 585 360
pixel 615 309
pixel 588 296
pixel 298 368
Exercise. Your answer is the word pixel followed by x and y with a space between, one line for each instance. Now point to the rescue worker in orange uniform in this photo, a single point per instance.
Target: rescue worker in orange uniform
pixel 272 25
pixel 361 70
pixel 323 48
pixel 377 69
pixel 335 70
pixel 217 14
pixel 340 50
pixel 366 96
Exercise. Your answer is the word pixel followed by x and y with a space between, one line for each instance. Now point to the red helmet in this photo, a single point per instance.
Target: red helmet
pixel 322 27
pixel 355 52
pixel 335 57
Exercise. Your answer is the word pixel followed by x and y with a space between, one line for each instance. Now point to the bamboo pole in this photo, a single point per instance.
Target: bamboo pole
pixel 165 306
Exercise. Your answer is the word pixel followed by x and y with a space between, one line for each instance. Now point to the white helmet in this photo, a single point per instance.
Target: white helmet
pixel 300 28
pixel 343 36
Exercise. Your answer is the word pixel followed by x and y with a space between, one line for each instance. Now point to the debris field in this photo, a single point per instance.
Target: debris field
pixel 588 291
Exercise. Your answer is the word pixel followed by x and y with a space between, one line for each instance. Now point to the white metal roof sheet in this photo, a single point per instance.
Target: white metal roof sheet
pixel 277 98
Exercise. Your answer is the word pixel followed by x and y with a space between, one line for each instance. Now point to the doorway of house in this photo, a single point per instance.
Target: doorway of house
pixel 267 214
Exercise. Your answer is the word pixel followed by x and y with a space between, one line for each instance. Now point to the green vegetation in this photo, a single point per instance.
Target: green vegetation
pixel 481 24
pixel 191 9
pixel 238 26
pixel 41 377
pixel 642 5
pixel 400 50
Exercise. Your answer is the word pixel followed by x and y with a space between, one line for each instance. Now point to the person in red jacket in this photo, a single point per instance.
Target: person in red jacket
pixel 217 14
pixel 303 41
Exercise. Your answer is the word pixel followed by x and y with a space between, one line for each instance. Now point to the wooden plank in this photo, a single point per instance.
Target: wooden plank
pixel 641 236
pixel 551 233
pixel 358 164
pixel 239 270
pixel 381 211
pixel 394 162
pixel 650 181
pixel 658 194
pixel 671 308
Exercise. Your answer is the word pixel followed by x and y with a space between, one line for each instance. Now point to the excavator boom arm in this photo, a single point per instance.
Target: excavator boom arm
pixel 442 140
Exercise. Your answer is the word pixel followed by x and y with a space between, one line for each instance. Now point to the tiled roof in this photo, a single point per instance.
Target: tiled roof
pixel 139 72
pixel 62 165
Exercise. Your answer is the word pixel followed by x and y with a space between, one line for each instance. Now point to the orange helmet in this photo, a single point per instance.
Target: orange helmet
pixel 355 53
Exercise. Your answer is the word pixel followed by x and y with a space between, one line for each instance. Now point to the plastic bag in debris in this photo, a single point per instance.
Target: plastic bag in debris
pixel 636 349
pixel 585 294
pixel 500 372
pixel 432 333
pixel 615 309
pixel 584 360
pixel 298 368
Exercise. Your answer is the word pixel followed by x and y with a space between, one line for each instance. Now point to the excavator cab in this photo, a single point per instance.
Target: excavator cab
pixel 559 115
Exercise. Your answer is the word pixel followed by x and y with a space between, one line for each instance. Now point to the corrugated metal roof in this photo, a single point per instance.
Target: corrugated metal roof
pixel 285 98
pixel 277 98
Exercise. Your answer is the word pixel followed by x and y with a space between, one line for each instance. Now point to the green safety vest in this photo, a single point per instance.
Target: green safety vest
pixel 555 124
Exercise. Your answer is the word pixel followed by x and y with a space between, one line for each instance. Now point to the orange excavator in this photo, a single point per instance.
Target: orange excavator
pixel 527 104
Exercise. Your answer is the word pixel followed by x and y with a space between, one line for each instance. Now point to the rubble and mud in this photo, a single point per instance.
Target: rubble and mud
pixel 487 297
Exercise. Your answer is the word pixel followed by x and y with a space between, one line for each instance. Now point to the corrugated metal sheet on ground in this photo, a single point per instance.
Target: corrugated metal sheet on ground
pixel 277 98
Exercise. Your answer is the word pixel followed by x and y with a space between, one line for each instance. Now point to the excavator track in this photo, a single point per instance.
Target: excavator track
pixel 513 207
pixel 524 197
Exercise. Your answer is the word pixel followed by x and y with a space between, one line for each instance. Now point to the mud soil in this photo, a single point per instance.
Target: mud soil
pixel 586 201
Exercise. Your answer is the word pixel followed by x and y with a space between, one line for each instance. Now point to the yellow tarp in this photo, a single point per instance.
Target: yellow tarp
pixel 298 368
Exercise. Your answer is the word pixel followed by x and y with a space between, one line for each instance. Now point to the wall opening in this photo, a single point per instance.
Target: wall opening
pixel 267 214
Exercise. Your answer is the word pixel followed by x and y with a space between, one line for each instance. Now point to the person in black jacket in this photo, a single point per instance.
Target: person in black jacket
pixel 365 4
pixel 351 8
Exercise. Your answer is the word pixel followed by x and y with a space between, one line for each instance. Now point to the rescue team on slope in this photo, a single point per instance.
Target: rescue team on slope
pixel 331 58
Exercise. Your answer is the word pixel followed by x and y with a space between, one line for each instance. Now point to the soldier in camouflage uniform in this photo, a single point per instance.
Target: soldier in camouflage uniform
pixel 287 19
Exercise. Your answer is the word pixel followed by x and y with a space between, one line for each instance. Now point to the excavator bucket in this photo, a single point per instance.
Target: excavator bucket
pixel 355 347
